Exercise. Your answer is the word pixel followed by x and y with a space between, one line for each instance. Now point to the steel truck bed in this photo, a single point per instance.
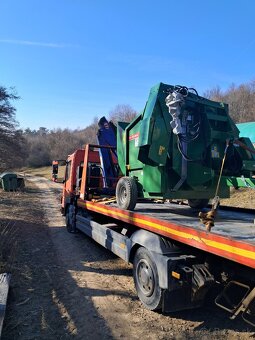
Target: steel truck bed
pixel 232 237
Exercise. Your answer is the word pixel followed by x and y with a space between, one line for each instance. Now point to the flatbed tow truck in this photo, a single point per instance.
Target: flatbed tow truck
pixel 176 261
pixel 182 146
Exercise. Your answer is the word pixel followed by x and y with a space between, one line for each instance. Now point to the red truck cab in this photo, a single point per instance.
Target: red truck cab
pixel 73 174
pixel 85 175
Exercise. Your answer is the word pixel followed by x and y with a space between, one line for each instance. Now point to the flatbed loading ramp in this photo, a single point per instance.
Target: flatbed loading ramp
pixel 232 237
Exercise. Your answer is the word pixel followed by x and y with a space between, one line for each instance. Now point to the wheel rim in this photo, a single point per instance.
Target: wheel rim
pixel 145 277
pixel 123 195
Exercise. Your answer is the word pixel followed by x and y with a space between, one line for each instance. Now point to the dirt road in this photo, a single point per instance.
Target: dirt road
pixel 67 286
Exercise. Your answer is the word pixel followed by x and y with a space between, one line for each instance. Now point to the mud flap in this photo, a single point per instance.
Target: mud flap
pixel 187 288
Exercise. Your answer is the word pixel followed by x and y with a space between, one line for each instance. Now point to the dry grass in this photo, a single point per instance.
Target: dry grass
pixel 8 232
pixel 43 172
pixel 241 198
pixel 8 244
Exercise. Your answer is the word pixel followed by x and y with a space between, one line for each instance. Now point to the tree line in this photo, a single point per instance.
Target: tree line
pixel 241 100
pixel 35 148
pixel 39 147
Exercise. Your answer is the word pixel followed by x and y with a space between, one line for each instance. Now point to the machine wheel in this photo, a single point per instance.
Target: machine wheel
pixel 126 193
pixel 198 203
pixel 146 279
pixel 70 219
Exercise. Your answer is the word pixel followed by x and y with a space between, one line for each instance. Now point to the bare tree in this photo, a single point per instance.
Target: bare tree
pixel 44 145
pixel 122 113
pixel 214 94
pixel 11 140
pixel 90 132
pixel 241 100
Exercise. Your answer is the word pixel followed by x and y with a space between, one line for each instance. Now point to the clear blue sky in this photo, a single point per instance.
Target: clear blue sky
pixel 72 60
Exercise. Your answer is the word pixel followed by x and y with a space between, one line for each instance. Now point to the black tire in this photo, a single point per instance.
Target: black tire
pixel 146 280
pixel 70 219
pixel 126 193
pixel 198 203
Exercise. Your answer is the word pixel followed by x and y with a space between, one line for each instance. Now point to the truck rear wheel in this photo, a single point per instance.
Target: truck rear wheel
pixel 198 203
pixel 70 218
pixel 146 279
pixel 126 193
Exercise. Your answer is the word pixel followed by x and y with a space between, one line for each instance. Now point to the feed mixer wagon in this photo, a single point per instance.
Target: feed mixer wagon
pixel 182 146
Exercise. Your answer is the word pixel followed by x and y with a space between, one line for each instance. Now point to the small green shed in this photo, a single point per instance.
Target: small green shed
pixel 8 181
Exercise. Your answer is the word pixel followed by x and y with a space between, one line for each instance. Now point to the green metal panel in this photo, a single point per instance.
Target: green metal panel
pixel 159 142
pixel 153 179
pixel 133 147
pixel 240 182
pixel 147 117
pixel 121 142
pixel 149 149
pixel 199 176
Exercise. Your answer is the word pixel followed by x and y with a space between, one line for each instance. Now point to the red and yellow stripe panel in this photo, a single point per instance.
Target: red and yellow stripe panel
pixel 229 248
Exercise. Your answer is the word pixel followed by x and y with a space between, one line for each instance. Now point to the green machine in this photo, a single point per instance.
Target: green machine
pixel 182 146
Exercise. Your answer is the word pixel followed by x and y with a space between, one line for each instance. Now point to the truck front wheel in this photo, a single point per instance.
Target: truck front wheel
pixel 146 279
pixel 126 193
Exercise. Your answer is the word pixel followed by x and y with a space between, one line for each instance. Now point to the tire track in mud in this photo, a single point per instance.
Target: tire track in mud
pixel 104 278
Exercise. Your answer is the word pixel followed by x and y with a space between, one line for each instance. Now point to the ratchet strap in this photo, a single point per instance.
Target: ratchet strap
pixel 207 218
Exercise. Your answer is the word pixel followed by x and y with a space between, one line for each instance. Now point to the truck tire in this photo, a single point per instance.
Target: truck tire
pixel 126 193
pixel 70 218
pixel 146 280
pixel 198 203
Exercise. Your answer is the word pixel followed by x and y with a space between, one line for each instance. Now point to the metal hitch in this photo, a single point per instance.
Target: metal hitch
pixel 238 298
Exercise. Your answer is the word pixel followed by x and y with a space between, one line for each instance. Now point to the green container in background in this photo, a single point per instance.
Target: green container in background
pixel 9 181
pixel 247 130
